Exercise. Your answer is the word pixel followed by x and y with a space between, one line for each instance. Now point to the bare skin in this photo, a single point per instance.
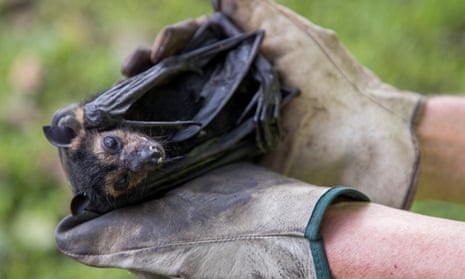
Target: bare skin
pixel 441 137
pixel 367 240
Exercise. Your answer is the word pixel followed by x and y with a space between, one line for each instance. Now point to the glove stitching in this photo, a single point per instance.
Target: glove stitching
pixel 190 243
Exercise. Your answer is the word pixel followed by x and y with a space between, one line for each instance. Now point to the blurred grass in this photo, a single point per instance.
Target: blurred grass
pixel 56 52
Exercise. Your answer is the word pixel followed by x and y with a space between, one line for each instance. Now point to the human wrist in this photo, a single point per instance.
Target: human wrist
pixel 441 142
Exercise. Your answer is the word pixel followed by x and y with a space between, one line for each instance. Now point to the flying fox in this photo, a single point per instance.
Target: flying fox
pixel 216 101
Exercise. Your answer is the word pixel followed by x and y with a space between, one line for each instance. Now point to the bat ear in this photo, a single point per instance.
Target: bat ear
pixel 60 136
pixel 79 204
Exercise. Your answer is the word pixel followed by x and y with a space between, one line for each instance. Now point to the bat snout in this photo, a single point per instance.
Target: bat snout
pixel 156 154
pixel 147 157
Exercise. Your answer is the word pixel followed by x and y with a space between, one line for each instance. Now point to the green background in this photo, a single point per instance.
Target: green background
pixel 55 52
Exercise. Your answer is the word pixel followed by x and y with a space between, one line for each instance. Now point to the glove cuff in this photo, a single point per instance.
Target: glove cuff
pixel 312 231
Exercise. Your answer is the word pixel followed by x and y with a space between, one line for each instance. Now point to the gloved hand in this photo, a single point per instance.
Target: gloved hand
pixel 346 128
pixel 239 221
pixel 243 221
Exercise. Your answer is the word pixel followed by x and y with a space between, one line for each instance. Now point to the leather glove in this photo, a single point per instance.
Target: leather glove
pixel 239 221
pixel 346 128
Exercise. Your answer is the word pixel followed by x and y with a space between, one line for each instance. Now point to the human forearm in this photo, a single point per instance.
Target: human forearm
pixel 441 137
pixel 366 240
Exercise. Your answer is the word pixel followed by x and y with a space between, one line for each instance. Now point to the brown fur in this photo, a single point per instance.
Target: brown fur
pixel 97 169
pixel 130 143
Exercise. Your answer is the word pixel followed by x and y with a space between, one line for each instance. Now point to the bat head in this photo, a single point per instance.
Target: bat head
pixel 102 165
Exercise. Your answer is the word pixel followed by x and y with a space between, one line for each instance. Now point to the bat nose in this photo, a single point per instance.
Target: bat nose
pixel 146 157
pixel 151 154
pixel 156 154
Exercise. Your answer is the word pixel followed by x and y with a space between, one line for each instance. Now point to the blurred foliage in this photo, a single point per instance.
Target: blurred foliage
pixel 57 52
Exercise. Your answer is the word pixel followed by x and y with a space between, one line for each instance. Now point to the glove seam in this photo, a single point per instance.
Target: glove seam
pixel 192 242
pixel 415 120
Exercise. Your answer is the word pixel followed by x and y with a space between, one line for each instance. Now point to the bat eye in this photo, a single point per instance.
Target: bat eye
pixel 111 143
pixel 122 183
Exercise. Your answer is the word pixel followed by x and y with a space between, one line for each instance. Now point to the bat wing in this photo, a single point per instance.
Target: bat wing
pixel 108 108
pixel 223 84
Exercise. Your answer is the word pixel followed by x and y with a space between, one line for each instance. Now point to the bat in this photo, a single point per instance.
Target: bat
pixel 216 101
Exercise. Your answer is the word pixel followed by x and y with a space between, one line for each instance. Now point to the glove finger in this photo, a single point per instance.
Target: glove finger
pixel 172 39
pixel 138 61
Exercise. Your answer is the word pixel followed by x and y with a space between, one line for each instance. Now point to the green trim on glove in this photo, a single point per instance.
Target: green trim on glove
pixel 312 231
